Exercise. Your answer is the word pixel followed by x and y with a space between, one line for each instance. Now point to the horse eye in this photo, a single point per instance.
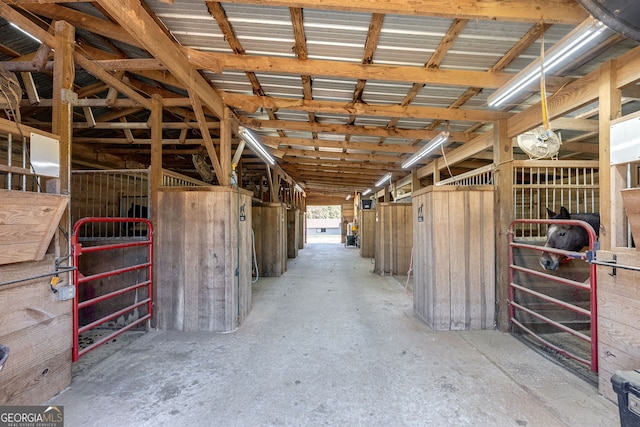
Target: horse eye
pixel 562 233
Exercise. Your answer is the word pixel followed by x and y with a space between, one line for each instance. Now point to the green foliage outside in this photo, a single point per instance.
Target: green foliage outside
pixel 324 212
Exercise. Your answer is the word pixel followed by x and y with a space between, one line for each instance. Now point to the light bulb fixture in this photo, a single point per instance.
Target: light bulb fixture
pixel 384 179
pixel 255 145
pixel 348 197
pixel 367 191
pixel 566 49
pixel 436 142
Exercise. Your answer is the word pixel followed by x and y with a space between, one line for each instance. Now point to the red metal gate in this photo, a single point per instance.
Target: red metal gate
pixel 516 307
pixel 79 279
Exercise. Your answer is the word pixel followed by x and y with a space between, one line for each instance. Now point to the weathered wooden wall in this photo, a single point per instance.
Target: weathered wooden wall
pixel 201 239
pixel 302 223
pixel 618 317
pixel 393 238
pixel 293 232
pixel 367 233
pixel 270 232
pixel 454 257
pixel 37 328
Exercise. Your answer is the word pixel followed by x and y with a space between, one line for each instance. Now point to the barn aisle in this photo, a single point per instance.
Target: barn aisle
pixel 330 343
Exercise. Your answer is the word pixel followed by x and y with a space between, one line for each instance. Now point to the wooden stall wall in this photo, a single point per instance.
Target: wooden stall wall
pixel 37 329
pixel 302 223
pixel 367 233
pixel 270 228
pixel 293 232
pixel 348 216
pixel 203 234
pixel 618 317
pixel 454 257
pixel 393 239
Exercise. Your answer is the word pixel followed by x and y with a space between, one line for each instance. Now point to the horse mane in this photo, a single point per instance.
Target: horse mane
pixel 593 219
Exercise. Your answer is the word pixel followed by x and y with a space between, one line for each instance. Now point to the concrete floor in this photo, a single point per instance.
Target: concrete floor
pixel 331 343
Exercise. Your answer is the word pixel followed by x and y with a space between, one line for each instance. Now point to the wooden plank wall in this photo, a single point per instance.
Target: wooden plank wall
pixel 454 257
pixel 37 328
pixel 270 239
pixel 302 223
pixel 348 215
pixel 293 232
pixel 367 233
pixel 200 241
pixel 393 239
pixel 28 222
pixel 618 318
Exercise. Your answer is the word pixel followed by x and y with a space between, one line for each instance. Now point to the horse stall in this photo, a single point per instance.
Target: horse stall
pixel 551 310
pixel 270 237
pixel 454 257
pixel 203 258
pixel 393 239
pixel 109 304
pixel 35 321
pixel 367 232
pixel 293 232
pixel 302 224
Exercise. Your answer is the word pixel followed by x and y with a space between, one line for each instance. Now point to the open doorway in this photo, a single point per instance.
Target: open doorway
pixel 324 224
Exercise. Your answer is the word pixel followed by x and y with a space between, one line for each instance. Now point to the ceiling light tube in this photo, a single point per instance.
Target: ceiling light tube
pixel 384 179
pixel 255 145
pixel 367 191
pixel 348 197
pixel 566 49
pixel 37 40
pixel 436 142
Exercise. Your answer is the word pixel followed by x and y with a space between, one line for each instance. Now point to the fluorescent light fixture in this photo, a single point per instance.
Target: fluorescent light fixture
pixel 577 41
pixel 26 33
pixel 367 191
pixel 436 142
pixel 255 145
pixel 348 197
pixel 298 188
pixel 384 179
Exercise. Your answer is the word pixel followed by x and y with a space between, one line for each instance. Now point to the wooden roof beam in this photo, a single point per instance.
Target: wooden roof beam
pixel 550 11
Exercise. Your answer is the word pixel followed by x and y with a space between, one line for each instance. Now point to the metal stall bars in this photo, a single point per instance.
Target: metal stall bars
pixel 79 279
pixel 517 307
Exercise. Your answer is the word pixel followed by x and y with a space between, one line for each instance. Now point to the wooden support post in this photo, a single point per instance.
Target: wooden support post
pixel 225 147
pixel 415 181
pixel 62 120
pixel 612 178
pixel 155 178
pixel 30 87
pixel 436 171
pixel 387 195
pixel 503 175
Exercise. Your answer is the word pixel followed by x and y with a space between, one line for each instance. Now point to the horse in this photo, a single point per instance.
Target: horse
pixel 136 211
pixel 567 237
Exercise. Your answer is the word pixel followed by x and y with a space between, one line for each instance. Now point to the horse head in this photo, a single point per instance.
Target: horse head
pixel 566 237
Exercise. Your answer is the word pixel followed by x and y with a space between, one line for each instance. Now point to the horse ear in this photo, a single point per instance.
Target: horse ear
pixel 564 213
pixel 550 213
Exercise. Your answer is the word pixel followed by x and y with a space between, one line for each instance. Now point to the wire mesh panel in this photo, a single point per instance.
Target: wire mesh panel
pixel 109 194
pixel 538 185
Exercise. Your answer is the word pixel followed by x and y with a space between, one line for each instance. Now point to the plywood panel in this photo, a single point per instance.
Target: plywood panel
pixel 454 257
